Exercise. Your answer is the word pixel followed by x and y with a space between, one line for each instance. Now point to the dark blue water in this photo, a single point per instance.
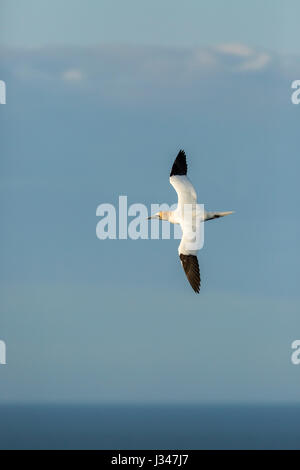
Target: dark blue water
pixel 149 427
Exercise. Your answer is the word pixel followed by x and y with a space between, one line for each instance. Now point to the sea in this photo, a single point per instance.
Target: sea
pixel 130 427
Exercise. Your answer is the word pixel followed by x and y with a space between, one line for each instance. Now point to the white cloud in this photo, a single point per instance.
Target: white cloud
pixel 73 75
pixel 257 63
pixel 129 73
pixel 249 58
pixel 203 58
pixel 236 49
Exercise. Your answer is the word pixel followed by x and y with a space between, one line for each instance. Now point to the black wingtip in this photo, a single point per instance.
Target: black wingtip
pixel 179 166
pixel 191 268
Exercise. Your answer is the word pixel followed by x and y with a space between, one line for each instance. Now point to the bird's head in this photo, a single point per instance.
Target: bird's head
pixel 158 215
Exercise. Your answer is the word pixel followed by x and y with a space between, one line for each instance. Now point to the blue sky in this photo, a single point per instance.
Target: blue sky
pixel 271 24
pixel 99 100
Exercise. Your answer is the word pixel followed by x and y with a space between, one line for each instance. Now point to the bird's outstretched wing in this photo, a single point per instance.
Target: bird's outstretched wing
pixel 180 182
pixel 191 268
pixel 179 166
pixel 189 261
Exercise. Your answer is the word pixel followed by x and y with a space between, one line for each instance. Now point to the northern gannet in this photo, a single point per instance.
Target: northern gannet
pixel 187 197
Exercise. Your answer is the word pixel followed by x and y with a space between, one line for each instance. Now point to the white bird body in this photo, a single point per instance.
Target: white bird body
pixel 188 219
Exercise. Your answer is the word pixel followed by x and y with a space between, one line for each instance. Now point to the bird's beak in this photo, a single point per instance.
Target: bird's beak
pixel 155 216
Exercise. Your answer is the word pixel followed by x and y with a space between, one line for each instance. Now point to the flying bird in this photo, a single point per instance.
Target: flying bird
pixel 186 197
